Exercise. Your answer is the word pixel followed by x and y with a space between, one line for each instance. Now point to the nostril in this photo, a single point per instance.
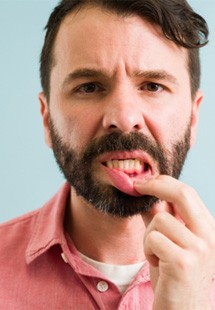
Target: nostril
pixel 112 126
pixel 115 127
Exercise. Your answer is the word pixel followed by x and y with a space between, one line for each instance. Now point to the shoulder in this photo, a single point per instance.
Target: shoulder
pixel 23 224
pixel 15 236
pixel 16 233
pixel 16 225
pixel 39 227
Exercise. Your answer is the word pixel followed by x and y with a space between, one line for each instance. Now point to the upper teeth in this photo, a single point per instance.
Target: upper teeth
pixel 129 165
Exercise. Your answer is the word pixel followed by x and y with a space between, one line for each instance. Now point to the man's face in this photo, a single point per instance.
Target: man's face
pixel 120 108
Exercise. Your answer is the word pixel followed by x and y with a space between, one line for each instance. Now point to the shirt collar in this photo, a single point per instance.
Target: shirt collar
pixel 48 230
pixel 48 225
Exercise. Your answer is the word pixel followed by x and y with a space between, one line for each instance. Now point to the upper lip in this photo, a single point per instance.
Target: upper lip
pixel 122 155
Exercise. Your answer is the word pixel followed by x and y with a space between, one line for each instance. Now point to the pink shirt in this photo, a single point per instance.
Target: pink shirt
pixel 41 269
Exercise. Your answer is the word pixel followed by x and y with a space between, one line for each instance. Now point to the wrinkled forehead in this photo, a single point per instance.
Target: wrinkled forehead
pixel 94 21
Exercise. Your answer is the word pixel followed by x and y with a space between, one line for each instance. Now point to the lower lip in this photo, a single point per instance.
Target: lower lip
pixel 124 182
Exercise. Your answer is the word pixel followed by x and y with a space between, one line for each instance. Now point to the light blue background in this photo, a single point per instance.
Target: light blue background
pixel 28 173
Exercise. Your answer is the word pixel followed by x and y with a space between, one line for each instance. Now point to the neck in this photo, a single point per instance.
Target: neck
pixel 102 237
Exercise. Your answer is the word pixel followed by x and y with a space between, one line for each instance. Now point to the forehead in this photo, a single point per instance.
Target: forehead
pixel 98 38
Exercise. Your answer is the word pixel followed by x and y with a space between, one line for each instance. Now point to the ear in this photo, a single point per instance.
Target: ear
pixel 195 116
pixel 44 110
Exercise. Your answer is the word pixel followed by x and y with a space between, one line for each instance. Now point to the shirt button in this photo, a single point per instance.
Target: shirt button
pixel 102 286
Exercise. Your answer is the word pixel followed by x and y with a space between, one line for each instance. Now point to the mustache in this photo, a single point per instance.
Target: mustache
pixel 117 141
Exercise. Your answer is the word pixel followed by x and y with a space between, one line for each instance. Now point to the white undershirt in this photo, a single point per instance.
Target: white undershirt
pixel 120 275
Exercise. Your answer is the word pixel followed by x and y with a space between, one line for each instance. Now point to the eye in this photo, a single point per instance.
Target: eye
pixel 88 88
pixel 152 87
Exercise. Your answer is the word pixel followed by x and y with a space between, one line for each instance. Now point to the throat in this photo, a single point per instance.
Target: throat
pixel 103 238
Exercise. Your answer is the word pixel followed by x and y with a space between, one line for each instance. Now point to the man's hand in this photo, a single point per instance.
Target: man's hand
pixel 179 244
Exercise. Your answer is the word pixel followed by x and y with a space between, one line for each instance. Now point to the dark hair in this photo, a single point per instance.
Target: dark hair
pixel 176 18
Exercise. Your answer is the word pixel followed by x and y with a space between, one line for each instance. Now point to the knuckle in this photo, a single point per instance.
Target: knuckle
pixel 202 248
pixel 149 240
pixel 185 264
pixel 185 192
pixel 160 218
pixel 152 236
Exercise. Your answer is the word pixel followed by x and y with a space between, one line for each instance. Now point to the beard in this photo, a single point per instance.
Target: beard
pixel 78 169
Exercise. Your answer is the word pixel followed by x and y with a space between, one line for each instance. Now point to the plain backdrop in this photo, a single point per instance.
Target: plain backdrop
pixel 29 175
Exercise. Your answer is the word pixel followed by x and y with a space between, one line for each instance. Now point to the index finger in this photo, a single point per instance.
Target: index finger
pixel 161 206
pixel 185 199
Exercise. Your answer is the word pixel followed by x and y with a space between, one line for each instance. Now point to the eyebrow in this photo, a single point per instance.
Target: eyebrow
pixel 83 73
pixel 156 75
pixel 97 73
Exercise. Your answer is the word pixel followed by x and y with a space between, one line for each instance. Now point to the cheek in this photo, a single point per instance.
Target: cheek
pixel 170 126
pixel 78 128
pixel 178 129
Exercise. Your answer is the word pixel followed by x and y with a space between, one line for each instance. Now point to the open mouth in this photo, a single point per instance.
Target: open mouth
pixel 132 167
pixel 123 169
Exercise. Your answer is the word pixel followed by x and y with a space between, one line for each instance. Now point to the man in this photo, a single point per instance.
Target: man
pixel 120 107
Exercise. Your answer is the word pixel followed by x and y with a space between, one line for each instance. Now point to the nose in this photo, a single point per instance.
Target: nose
pixel 123 112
